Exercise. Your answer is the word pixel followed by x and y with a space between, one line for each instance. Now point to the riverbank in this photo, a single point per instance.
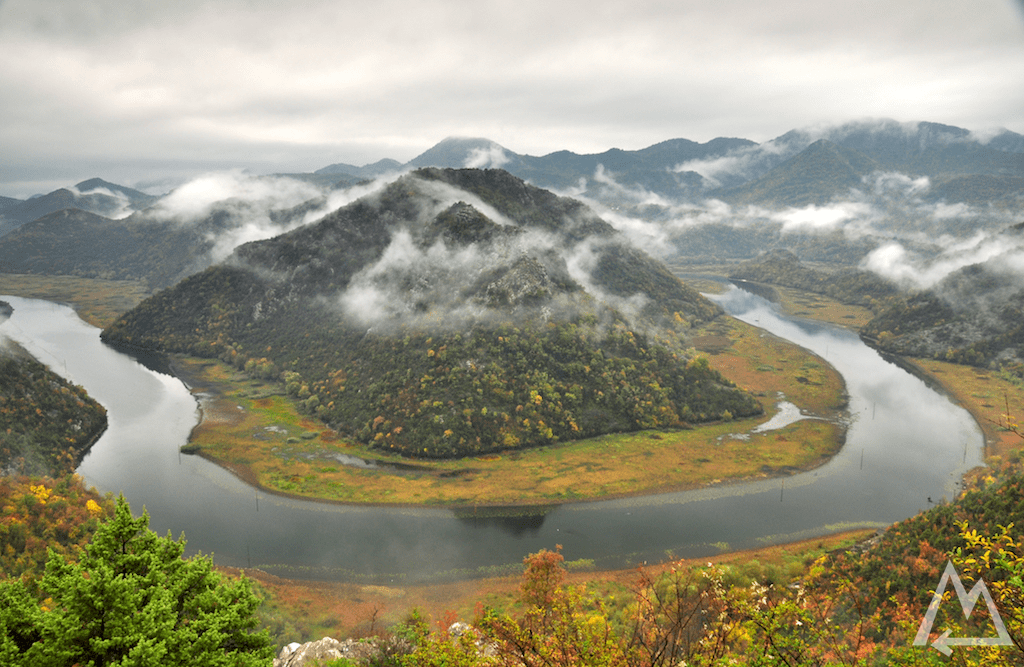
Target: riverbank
pixel 252 429
pixel 989 396
pixel 305 610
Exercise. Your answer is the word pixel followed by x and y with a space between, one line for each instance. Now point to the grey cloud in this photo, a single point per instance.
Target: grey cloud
pixel 208 82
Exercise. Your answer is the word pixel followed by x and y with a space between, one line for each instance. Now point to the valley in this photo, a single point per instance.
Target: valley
pixel 408 381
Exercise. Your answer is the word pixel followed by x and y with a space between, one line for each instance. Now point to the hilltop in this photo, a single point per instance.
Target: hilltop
pixel 453 312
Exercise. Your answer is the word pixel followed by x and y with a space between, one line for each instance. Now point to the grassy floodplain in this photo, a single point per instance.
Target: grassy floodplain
pixel 250 427
pixel 98 302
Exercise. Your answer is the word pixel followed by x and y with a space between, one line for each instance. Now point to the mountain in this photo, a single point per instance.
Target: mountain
pixel 177 235
pixel 8 202
pixel 880 177
pixel 1011 142
pixel 137 198
pixel 78 243
pixel 94 196
pixel 453 312
pixel 816 175
pixel 379 168
pixel 651 168
pixel 47 424
pixel 782 267
pixel 816 165
pixel 152 246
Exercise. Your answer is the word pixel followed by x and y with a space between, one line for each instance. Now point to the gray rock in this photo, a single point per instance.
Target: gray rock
pixel 324 650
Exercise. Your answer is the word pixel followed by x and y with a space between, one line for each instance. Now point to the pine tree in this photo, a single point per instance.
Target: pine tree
pixel 132 600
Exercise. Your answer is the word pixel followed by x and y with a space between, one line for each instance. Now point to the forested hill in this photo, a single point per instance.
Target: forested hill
pixel 973 316
pixel 782 267
pixel 46 424
pixel 453 312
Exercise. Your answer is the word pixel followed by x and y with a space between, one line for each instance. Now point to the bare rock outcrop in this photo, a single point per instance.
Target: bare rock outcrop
pixel 324 650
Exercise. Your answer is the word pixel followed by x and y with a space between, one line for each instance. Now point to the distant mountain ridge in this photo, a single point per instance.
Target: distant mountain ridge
pixel 679 167
pixel 94 196
pixel 662 185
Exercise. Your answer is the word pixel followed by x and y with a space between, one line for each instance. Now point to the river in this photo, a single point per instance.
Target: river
pixel 907 446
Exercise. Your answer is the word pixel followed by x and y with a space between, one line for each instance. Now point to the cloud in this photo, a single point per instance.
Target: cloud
pixel 237 82
pixel 741 164
pixel 199 196
pixel 443 285
pixel 345 196
pixel 811 219
pixel 124 205
pixel 922 271
pixel 888 184
pixel 492 157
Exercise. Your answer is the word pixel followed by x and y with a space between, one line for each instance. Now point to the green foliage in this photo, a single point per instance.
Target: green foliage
pixel 132 599
pixel 46 423
pixel 560 626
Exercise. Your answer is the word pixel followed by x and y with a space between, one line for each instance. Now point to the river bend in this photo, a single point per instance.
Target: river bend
pixel 907 446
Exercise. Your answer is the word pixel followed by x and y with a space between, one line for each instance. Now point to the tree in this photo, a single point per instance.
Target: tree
pixel 132 600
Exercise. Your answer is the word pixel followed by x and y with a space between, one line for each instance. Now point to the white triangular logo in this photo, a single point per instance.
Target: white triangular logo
pixel 967 601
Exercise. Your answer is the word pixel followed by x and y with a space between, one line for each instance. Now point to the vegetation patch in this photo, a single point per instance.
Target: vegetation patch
pixel 250 427
pixel 47 424
pixel 300 610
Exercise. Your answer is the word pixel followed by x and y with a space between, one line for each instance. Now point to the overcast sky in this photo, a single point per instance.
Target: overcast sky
pixel 138 91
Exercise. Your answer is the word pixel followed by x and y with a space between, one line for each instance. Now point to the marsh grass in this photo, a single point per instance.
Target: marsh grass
pixel 98 302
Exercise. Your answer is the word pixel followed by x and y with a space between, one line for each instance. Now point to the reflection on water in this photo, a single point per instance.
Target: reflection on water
pixel 905 444
pixel 514 526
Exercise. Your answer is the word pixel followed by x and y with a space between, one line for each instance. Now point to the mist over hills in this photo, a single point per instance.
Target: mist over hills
pixel 911 203
pixel 453 312
pixel 94 195
pixel 168 237
pixel 835 194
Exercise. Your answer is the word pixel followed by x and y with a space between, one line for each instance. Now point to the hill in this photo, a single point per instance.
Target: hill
pixel 816 175
pixel 453 312
pixel 46 424
pixel 180 234
pixel 975 316
pixel 94 196
pixel 782 267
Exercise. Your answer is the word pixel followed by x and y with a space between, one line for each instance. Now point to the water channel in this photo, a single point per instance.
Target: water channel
pixel 907 447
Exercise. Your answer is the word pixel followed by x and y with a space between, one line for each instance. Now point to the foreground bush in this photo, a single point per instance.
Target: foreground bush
pixel 131 600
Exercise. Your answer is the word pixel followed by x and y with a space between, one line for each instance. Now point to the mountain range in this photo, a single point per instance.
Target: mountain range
pixel 807 164
pixel 723 199
pixel 457 273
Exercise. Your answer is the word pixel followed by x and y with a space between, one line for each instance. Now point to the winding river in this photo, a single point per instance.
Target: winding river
pixel 907 446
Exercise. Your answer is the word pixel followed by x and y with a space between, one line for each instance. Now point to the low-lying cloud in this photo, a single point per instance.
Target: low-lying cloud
pixel 199 196
pixel 905 233
pixel 492 157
